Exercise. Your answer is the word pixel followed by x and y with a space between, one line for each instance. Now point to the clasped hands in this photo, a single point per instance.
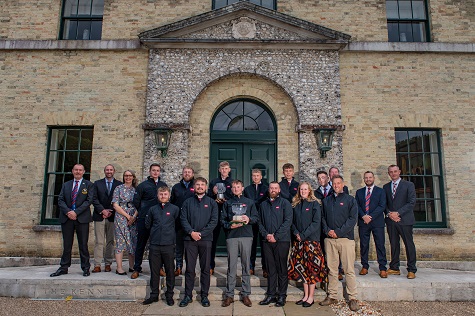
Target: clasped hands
pixel 196 236
pixel 394 216
pixel 72 215
pixel 270 238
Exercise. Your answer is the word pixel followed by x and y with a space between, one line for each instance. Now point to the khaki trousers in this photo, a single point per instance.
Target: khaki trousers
pixel 341 249
pixel 104 234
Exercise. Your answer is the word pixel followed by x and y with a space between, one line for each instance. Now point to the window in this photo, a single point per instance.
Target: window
pixel 243 115
pixel 407 20
pixel 270 4
pixel 67 146
pixel 418 156
pixel 82 19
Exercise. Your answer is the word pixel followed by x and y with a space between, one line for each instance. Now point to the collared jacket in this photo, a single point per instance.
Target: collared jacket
pixel 340 214
pixel 275 217
pixel 179 194
pixel 199 216
pixel 288 191
pixel 103 199
pixel 307 220
pixel 259 195
pixel 227 217
pixel 146 196
pixel 161 222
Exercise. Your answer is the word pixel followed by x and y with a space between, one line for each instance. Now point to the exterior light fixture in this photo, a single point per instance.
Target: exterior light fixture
pixel 324 140
pixel 162 138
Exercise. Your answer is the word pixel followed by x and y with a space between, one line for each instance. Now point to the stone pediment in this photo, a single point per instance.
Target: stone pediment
pixel 244 25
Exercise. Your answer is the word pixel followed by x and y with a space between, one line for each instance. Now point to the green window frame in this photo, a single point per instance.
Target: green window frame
pixel 67 146
pixel 407 21
pixel 270 4
pixel 419 156
pixel 82 19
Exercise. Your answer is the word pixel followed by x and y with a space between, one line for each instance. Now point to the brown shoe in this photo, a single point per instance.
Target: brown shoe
pixel 411 275
pixel 107 268
pixel 135 275
pixel 393 272
pixel 246 301
pixel 383 274
pixel 340 276
pixel 162 272
pixel 227 301
pixel 328 301
pixel 211 271
pixel 96 269
pixel 177 271
pixel 354 306
pixel 251 272
pixel 364 271
pixel 265 274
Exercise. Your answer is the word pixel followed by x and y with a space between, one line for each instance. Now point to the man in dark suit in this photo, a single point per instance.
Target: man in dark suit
pixel 400 198
pixel 74 203
pixel 371 211
pixel 103 217
pixel 325 187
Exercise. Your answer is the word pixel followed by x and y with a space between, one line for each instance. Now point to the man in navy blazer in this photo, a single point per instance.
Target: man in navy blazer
pixel 103 217
pixel 371 212
pixel 401 199
pixel 75 216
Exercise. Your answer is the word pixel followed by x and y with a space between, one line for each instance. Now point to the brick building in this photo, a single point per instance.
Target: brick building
pixel 249 82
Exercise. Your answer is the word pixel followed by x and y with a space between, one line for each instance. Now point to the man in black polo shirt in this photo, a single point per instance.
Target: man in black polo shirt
pixel 160 220
pixel 275 219
pixel 145 197
pixel 198 216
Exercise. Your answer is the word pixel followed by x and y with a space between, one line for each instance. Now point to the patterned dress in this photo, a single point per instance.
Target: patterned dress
pixel 125 235
pixel 306 262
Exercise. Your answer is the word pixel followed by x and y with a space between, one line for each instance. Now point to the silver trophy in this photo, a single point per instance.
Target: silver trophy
pixel 239 210
pixel 221 189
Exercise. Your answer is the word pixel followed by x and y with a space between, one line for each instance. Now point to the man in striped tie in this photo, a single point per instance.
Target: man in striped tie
pixel 74 203
pixel 371 207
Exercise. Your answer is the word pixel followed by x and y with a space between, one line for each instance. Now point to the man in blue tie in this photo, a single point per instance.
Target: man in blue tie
pixel 103 217
pixel 371 211
pixel 74 203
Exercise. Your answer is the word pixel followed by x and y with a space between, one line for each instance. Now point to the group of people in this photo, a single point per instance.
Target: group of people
pixel 184 222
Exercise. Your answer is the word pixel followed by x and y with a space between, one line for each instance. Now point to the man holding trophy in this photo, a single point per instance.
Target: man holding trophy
pixel 239 213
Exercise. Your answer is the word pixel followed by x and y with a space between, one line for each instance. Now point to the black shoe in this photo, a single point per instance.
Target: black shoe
pixel 280 302
pixel 86 273
pixel 170 301
pixel 58 272
pixel 268 300
pixel 299 302
pixel 150 300
pixel 205 301
pixel 131 270
pixel 307 304
pixel 186 300
pixel 120 273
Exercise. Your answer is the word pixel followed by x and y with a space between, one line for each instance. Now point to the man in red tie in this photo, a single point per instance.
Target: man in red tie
pixel 74 203
pixel 371 207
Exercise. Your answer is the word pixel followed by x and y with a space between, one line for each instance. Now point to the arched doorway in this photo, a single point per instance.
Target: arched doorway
pixel 244 133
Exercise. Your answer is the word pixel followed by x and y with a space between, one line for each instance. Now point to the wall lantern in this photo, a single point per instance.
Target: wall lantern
pixel 324 140
pixel 162 139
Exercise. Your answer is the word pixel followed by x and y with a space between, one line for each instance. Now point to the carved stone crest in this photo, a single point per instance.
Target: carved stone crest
pixel 244 28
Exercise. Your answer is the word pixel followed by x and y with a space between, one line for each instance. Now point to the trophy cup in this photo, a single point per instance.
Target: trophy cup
pixel 239 210
pixel 221 189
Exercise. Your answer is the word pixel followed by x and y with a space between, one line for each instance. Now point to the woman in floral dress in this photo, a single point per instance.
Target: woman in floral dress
pixel 124 222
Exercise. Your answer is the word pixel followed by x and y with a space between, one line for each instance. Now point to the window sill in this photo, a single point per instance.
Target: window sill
pixel 46 228
pixel 433 231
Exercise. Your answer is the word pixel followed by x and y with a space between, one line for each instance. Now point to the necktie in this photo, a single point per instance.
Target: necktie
pixel 368 196
pixel 74 195
pixel 109 186
pixel 325 192
pixel 394 189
